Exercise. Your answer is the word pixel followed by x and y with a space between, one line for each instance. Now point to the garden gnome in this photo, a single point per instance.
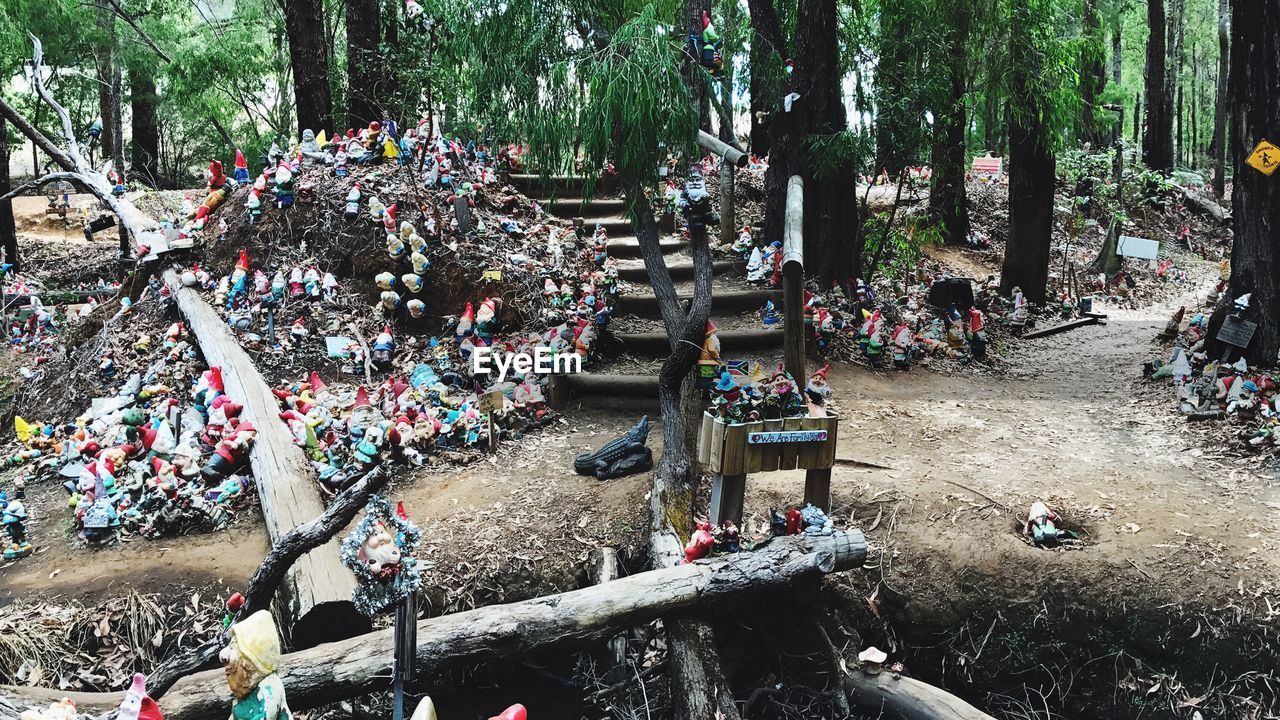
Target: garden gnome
pixel 250 660
pixel 242 168
pixel 700 544
pixel 137 705
pixel 515 712
pixel 1041 524
pixel 1019 319
pixel 872 660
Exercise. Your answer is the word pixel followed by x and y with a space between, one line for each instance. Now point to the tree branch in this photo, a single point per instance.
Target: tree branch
pixel 120 11
pixel 270 574
pixel 42 181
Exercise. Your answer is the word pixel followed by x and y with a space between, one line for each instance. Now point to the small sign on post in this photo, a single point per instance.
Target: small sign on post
pixel 1236 332
pixel 490 403
pixel 1135 247
pixel 1265 158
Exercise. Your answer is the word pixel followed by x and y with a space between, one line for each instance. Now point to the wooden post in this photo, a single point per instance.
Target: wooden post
pixel 730 153
pixel 603 562
pixel 793 279
pixel 817 488
pixel 727 494
pixel 462 213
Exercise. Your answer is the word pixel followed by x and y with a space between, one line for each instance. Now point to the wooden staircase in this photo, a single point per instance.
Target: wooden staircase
pixel 563 196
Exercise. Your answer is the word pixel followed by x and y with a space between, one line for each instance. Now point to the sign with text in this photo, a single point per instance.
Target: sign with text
pixel 1265 158
pixel 1135 247
pixel 1236 332
pixel 786 436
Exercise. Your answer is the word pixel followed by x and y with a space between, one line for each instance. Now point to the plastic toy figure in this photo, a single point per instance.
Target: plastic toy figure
pixel 380 554
pixel 251 659
pixel 700 544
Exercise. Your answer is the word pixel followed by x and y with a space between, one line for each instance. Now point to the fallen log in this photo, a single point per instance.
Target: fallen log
pixel 315 601
pixel 911 699
pixel 348 668
pixel 1206 206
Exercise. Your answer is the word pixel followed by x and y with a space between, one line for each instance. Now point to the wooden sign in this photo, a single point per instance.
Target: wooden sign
pixel 1135 247
pixel 989 167
pixel 1236 332
pixel 1265 158
pixel 491 401
pixel 462 213
pixel 792 436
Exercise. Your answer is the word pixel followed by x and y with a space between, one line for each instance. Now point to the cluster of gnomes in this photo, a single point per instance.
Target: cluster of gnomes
pixel 152 459
pixel 765 264
pixel 408 249
pixel 743 398
pixel 379 551
pixel 345 431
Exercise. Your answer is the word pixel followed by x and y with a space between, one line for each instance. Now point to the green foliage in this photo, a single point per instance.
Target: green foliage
pixel 900 249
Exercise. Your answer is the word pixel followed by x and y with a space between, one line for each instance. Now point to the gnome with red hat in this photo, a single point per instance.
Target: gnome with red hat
pixel 230 452
pixel 383 347
pixel 137 704
pixel 242 168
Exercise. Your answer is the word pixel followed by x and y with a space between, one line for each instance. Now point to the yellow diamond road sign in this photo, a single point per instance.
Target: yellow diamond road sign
pixel 1265 158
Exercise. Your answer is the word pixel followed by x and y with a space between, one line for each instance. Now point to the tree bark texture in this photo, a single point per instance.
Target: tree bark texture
pixel 144 155
pixel 1031 174
pixel 1220 112
pixel 832 241
pixel 948 201
pixel 8 231
pixel 897 120
pixel 1255 201
pixel 363 62
pixel 1093 75
pixel 1157 143
pixel 304 22
pixel 696 77
pixel 768 52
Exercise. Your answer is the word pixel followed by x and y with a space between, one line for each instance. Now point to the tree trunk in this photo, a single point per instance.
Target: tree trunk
pixel 317 600
pixel 304 21
pixel 696 77
pixel 832 244
pixel 1157 143
pixel 1093 75
pixel 1177 26
pixel 768 50
pixel 1137 117
pixel 363 63
pixel 1255 199
pixel 8 231
pixel 1220 114
pixel 144 152
pixel 389 88
pixel 1031 174
pixel 948 201
pixel 104 61
pixel 897 124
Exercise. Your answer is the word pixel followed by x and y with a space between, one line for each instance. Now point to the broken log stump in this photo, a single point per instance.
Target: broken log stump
pixel 315 600
pixel 347 668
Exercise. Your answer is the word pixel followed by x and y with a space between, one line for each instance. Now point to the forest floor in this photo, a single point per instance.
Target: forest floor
pixel 1178 567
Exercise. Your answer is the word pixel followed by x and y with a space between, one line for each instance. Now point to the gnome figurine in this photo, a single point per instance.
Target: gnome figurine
pixel 383 347
pixel 241 174
pixel 137 704
pixel 251 660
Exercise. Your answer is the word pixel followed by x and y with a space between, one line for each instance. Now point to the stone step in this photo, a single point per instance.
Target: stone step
pixel 629 247
pixel 615 225
pixel 571 207
pixel 729 301
pixel 658 344
pixel 680 269
pixel 602 390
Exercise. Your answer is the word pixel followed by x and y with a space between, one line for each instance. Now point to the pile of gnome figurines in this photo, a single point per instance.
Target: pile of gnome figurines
pixel 1207 388
pixel 709 540
pixel 164 455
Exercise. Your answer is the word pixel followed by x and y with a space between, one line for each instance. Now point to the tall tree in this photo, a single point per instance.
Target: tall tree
pixel 948 201
pixel 1173 70
pixel 694 74
pixel 1254 113
pixel 8 231
pixel 304 22
pixel 1031 153
pixel 1157 143
pixel 898 117
pixel 363 62
pixel 1093 74
pixel 809 142
pixel 1220 112
pixel 144 153
pixel 768 52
